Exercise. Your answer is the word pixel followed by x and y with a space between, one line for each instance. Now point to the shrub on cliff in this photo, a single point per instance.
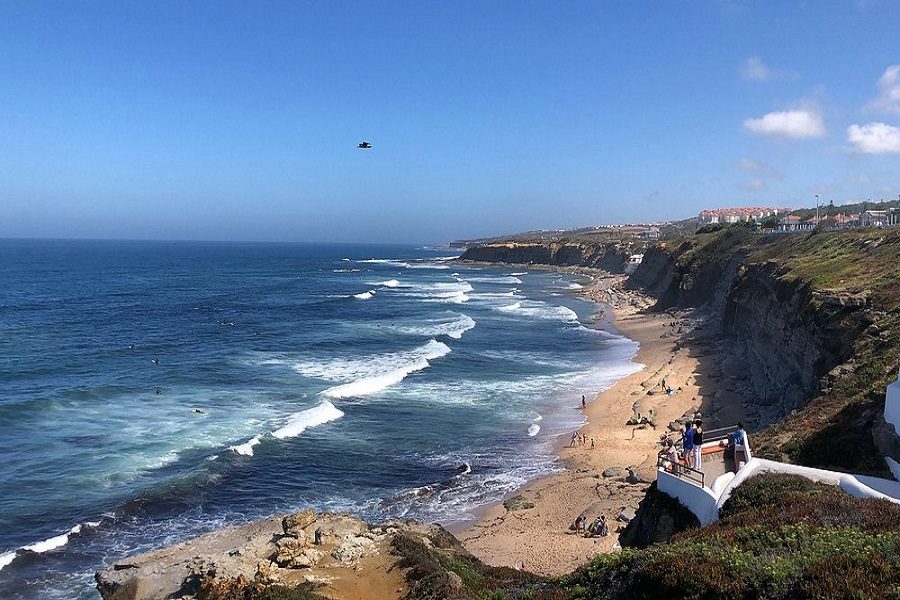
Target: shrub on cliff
pixel 438 572
pixel 781 537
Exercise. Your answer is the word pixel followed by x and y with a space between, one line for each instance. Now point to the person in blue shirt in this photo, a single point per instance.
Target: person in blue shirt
pixel 689 444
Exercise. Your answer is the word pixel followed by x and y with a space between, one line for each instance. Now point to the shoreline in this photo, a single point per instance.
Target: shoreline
pixel 537 538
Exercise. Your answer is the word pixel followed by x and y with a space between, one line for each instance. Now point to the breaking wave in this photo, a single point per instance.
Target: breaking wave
pixel 305 419
pixel 372 374
pixel 454 329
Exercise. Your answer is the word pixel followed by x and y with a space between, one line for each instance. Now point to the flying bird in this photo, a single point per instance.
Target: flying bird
pixel 364 145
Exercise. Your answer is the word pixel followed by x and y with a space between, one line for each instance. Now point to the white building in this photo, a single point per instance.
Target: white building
pixel 873 218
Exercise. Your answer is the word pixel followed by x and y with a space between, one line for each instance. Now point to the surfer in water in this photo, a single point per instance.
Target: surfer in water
pixel 155 361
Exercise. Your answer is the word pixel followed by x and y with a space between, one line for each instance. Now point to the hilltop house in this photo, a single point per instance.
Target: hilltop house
pixel 873 218
pixel 737 215
pixel 792 223
pixel 894 216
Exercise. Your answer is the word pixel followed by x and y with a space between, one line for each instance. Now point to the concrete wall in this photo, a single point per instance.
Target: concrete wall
pixel 892 405
pixel 699 500
pixel 705 503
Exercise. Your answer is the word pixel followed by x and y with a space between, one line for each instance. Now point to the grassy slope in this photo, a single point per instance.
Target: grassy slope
pixel 832 430
pixel 780 537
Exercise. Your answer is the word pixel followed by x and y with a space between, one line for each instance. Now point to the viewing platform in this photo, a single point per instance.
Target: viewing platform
pixel 724 466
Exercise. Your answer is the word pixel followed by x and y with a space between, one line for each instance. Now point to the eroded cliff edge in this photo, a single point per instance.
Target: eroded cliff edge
pixel 814 323
pixel 609 256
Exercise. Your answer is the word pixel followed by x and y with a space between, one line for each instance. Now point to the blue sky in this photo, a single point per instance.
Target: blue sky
pixel 239 120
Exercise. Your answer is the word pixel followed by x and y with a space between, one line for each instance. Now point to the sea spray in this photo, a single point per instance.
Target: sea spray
pixel 375 382
pixel 305 419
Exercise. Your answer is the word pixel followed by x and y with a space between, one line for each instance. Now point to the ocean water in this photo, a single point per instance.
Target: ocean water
pixel 152 391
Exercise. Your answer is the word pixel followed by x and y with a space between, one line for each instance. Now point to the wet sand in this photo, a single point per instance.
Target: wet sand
pixel 538 539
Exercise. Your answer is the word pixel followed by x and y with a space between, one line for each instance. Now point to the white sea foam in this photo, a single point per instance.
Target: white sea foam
pixel 246 449
pixel 519 274
pixel 455 328
pixel 459 286
pixel 446 257
pixel 541 310
pixel 375 373
pixel 391 283
pixel 305 419
pixel 426 266
pixel 451 297
pixel 6 558
pixel 53 543
pixel 364 295
pixel 513 280
pixel 386 261
pixel 533 429
pixel 446 292
pixel 575 286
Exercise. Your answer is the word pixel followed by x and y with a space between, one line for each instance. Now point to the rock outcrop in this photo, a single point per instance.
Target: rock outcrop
pixel 658 518
pixel 809 321
pixel 299 549
pixel 609 256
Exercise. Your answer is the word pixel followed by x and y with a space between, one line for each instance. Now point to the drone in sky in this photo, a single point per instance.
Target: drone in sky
pixel 364 145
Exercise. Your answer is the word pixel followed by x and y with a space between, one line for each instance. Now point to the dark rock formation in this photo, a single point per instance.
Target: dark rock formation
pixel 658 518
pixel 806 318
pixel 608 256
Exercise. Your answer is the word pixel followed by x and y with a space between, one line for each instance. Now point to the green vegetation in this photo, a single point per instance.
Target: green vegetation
pixel 440 571
pixel 780 537
pixel 242 589
pixel 847 284
pixel 854 261
pixel 830 210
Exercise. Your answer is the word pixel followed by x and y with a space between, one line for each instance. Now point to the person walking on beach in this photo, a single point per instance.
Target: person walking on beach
pixel 583 403
pixel 574 438
pixel 592 443
pixel 698 444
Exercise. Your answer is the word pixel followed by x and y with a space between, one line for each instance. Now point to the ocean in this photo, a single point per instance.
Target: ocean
pixel 154 391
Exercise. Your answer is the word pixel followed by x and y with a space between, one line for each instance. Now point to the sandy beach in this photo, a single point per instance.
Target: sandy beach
pixel 538 539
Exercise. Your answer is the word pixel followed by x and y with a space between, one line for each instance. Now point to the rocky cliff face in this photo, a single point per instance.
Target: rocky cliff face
pixel 608 256
pixel 806 316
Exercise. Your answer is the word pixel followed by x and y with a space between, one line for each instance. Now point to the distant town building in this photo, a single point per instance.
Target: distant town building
pixel 842 221
pixel 873 218
pixel 651 233
pixel 793 223
pixel 736 215
pixel 894 216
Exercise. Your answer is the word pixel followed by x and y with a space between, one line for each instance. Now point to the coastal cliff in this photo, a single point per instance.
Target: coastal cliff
pixel 609 256
pixel 812 318
pixel 811 321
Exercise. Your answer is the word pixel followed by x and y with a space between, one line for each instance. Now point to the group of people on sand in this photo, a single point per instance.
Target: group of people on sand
pixel 588 528
pixel 580 439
